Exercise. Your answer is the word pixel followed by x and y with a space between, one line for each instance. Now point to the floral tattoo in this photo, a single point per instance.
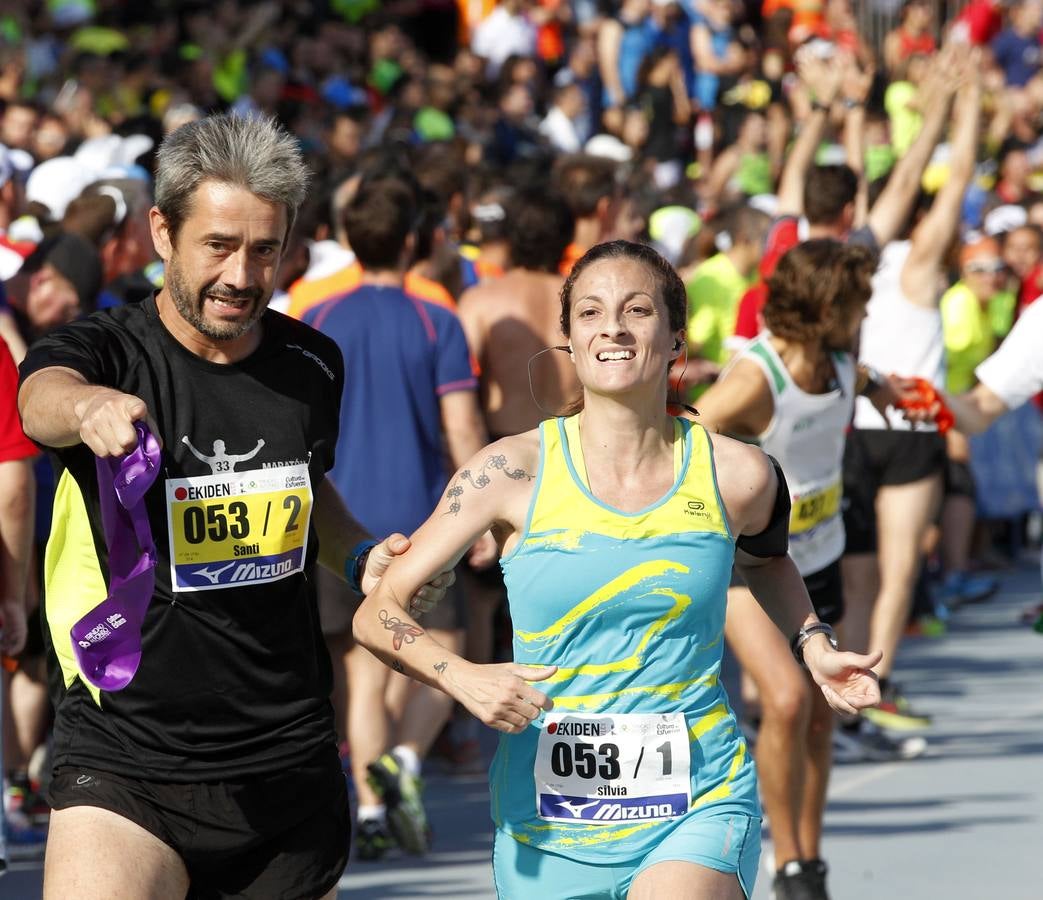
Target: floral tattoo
pixel 403 632
pixel 481 480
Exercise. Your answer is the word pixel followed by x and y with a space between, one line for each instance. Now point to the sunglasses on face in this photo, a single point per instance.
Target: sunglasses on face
pixel 987 266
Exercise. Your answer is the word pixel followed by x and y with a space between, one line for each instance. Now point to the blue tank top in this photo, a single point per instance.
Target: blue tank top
pixel 630 607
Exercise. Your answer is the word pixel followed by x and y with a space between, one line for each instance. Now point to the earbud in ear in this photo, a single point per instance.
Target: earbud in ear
pixel 678 345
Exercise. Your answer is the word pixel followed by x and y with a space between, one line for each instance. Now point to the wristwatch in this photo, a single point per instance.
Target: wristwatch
pixel 806 634
pixel 355 564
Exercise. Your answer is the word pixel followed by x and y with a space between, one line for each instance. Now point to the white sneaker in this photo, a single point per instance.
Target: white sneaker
pixel 868 743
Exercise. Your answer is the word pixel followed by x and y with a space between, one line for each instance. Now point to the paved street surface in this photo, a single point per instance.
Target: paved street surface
pixel 963 823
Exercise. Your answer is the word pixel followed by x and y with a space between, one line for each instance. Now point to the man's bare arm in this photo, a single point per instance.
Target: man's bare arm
pixel 823 80
pixel 976 410
pixel 463 426
pixel 60 409
pixel 935 232
pixel 895 202
pixel 17 508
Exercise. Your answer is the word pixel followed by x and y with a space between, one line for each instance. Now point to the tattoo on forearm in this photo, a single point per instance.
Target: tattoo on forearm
pixel 403 632
pixel 398 667
pixel 440 667
pixel 481 480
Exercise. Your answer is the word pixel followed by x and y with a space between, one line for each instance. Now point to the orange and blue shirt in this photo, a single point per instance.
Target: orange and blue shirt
pixel 401 355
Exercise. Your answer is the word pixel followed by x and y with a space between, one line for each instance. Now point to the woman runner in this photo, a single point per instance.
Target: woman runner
pixel 626 775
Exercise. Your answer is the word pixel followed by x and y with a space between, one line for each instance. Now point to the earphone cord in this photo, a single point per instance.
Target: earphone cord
pixel 677 387
pixel 532 391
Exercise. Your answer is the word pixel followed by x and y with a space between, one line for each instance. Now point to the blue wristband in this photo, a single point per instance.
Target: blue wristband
pixel 352 573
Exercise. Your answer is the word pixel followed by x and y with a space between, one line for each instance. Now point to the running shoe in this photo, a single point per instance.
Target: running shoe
pixel 371 839
pixel 24 800
pixel 819 870
pixel 895 712
pixel 864 742
pixel 795 881
pixel 928 626
pixel 959 588
pixel 402 795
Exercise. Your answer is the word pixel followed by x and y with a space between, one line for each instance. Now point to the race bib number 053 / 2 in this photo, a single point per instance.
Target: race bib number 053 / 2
pixel 602 768
pixel 238 529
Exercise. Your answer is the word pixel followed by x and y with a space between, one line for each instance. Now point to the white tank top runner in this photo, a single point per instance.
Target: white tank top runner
pixel 898 337
pixel 806 436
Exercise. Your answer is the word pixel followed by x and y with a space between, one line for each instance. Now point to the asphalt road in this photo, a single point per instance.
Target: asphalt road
pixel 964 822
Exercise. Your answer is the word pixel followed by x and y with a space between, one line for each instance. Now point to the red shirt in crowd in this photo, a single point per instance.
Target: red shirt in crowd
pixel 13 442
pixel 782 238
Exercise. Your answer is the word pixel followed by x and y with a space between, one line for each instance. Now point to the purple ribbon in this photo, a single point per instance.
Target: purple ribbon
pixel 107 641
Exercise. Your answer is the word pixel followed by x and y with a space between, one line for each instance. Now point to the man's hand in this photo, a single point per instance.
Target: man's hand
pixel 821 77
pixel 885 394
pixel 12 627
pixel 380 558
pixel 856 82
pixel 107 418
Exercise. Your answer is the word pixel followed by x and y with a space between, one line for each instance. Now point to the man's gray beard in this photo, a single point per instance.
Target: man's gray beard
pixel 193 313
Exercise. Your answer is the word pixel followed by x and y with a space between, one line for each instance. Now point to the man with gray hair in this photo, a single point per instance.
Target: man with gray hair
pixel 202 760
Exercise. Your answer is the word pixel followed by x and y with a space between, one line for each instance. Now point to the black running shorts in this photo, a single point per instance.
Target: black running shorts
pixel 285 835
pixel 878 458
pixel 826 589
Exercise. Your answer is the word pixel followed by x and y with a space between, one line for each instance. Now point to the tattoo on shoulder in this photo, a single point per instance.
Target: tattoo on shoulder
pixel 403 632
pixel 481 479
pixel 440 667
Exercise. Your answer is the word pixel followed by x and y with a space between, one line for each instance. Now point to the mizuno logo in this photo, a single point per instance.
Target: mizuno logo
pixel 615 811
pixel 214 574
pixel 577 808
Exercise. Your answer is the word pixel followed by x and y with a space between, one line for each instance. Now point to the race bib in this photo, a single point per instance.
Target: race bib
pixel 238 529
pixel 813 507
pixel 610 768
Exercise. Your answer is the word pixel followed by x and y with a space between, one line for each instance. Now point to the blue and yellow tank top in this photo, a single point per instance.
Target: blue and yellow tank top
pixel 630 607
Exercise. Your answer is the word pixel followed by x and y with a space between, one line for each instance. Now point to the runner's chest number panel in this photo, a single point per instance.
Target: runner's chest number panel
pixel 814 506
pixel 237 529
pixel 602 768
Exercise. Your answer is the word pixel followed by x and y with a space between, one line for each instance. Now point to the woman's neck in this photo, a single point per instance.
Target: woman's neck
pixel 625 435
pixel 804 361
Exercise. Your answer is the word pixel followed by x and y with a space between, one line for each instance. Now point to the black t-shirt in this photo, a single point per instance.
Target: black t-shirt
pixel 234 678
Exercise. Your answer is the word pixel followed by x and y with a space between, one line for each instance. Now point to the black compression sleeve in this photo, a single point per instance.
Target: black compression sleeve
pixel 773 540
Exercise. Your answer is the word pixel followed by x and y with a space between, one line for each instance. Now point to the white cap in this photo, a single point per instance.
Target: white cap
pixel 97 154
pixel 102 154
pixel 766 203
pixel 1005 218
pixel 21 160
pixel 670 227
pixel 6 166
pixel 609 147
pixel 56 183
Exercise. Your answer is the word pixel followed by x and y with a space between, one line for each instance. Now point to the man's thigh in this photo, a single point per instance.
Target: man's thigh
pixel 96 854
pixel 284 834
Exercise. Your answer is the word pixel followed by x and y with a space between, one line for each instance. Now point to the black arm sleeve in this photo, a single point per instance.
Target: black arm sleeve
pixel 773 540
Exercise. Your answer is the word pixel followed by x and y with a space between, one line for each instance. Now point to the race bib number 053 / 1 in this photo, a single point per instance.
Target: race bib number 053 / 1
pixel 609 768
pixel 238 529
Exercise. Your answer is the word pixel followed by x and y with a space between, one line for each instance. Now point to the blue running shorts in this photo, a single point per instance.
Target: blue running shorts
pixel 729 842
